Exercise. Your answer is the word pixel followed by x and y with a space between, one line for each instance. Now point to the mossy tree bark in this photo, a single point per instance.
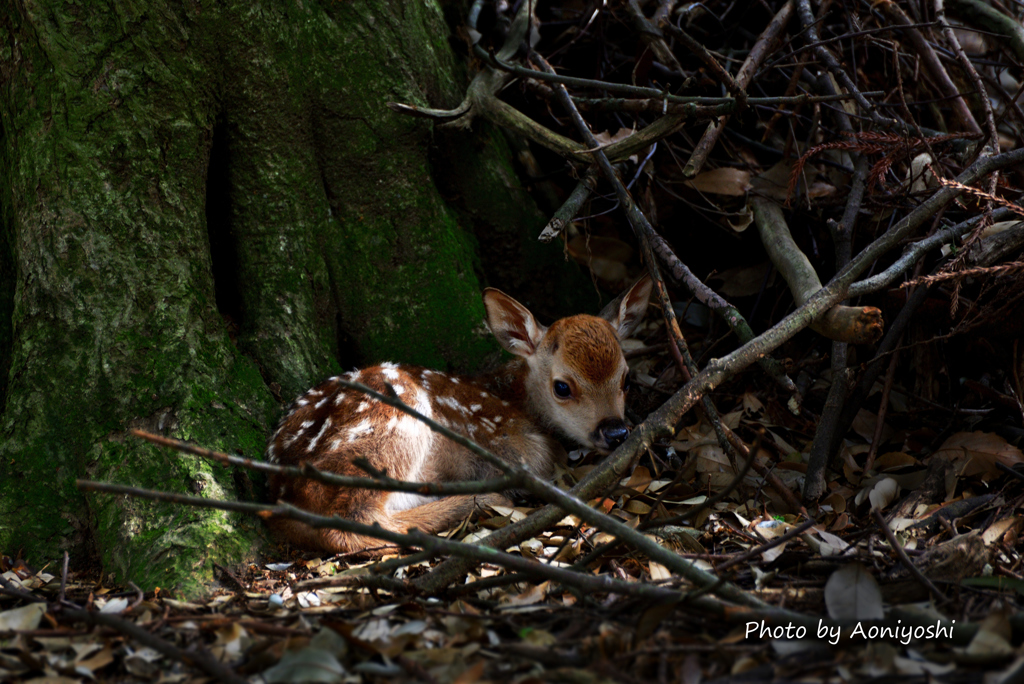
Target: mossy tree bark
pixel 206 208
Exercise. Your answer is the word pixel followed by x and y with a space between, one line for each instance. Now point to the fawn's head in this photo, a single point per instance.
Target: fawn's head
pixel 576 376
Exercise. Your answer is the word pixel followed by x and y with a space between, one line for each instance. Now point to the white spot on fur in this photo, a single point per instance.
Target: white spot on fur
pixel 389 364
pixel 483 395
pixel 323 429
pixel 452 403
pixel 363 405
pixel 363 428
pixel 455 380
pixel 504 403
pixel 336 444
pixel 301 402
pixel 305 424
pixel 390 373
pixel 399 390
pixel 475 407
pixel 320 403
pixel 338 398
pixel 272 452
pixel 391 424
pixel 422 403
pixel 313 393
pixel 416 441
pixel 403 501
pixel 488 424
pixel 497 419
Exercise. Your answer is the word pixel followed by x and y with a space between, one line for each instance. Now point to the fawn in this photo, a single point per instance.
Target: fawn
pixel 568 379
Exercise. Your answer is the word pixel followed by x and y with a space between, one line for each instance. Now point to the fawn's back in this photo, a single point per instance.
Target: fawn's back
pixel 569 379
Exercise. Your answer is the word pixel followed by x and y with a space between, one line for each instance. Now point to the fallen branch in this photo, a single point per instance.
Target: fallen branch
pixel 850 324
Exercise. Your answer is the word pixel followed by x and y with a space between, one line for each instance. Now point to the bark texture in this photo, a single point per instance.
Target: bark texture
pixel 205 209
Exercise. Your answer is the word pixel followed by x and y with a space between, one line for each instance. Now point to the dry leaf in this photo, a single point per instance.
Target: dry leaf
pixel 97 660
pixel 539 637
pixel 836 501
pixel 637 507
pixel 751 404
pixel 841 523
pixel 232 641
pixel 774 183
pixel 652 618
pixel 851 593
pixel 659 572
pixel 820 189
pixel 1001 527
pixel 639 480
pixel 879 492
pixel 827 543
pixel 740 221
pixel 24 618
pixel 605 138
pixel 993 636
pixel 534 594
pixel 723 181
pixel 605 257
pixel 976 453
pixel 920 177
pixel 864 425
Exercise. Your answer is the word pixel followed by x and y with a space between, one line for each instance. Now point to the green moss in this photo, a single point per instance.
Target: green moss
pixel 114 309
pixel 337 226
pixel 161 544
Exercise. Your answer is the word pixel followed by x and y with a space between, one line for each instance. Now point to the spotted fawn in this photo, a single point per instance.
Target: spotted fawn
pixel 569 379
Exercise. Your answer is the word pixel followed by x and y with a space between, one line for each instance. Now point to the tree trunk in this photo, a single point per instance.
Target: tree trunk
pixel 206 209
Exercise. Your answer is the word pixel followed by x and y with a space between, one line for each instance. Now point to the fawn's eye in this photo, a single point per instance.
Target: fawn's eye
pixel 626 383
pixel 562 390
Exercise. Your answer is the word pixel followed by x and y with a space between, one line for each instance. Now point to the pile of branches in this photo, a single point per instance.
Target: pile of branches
pixel 846 111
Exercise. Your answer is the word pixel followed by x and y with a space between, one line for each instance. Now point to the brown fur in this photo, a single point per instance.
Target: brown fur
pixel 509 412
pixel 589 346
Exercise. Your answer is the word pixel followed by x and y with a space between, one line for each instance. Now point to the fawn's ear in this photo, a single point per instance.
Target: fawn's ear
pixel 515 328
pixel 631 309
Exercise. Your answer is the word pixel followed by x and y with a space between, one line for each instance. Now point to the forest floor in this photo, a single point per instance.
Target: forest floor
pixel 300 618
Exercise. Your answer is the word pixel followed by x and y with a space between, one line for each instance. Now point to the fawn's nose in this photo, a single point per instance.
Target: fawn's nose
pixel 611 432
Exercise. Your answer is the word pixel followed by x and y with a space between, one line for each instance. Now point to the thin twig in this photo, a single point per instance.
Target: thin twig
pixel 933 65
pixel 760 52
pixel 803 8
pixel 694 46
pixel 894 544
pixel 883 408
pixel 439 545
pixel 758 550
pixel 567 212
pixel 196 657
pixel 380 482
